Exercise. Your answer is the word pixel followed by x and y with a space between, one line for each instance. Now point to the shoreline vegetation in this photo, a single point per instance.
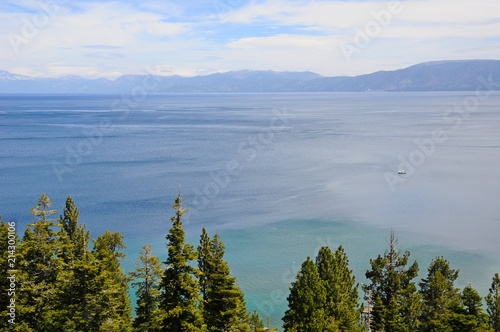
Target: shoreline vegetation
pixel 56 277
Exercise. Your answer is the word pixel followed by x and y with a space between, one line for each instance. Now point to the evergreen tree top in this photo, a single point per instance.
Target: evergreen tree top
pixel 42 208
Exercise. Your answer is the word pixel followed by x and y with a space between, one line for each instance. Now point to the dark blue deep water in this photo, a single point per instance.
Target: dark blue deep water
pixel 277 175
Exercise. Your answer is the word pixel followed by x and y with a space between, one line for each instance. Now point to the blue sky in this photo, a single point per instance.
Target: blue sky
pixel 111 38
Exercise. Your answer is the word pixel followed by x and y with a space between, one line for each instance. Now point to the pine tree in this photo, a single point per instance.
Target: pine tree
pixel 256 324
pixel 493 303
pixel 77 274
pixel 147 277
pixel 74 236
pixel 341 289
pixel 224 306
pixel 306 301
pixel 81 295
pixel 39 268
pixel 110 301
pixel 441 297
pixel 470 316
pixel 42 208
pixel 180 292
pixel 205 262
pixel 396 300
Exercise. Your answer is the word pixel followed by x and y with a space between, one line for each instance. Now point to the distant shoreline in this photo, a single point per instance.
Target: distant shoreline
pixel 439 76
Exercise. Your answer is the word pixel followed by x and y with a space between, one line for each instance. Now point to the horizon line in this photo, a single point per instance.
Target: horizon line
pixel 240 70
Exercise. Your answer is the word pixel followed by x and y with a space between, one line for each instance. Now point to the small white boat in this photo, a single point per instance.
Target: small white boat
pixel 402 171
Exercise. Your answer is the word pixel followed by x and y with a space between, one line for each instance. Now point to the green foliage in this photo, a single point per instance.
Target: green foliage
pixel 493 303
pixel 111 304
pixel 306 301
pixel 342 300
pixel 41 209
pixel 205 262
pixel 180 291
pixel 223 304
pixel 147 280
pixel 73 236
pixel 63 286
pixel 441 298
pixel 396 303
pixel 39 268
pixel 256 324
pixel 470 316
pixel 79 293
pixel 76 280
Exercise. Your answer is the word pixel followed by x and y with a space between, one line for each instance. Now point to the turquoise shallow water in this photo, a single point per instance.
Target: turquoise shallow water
pixel 277 175
pixel 266 259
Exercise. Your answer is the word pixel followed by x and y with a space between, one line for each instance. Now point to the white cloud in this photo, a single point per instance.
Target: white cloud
pixel 195 38
pixel 326 15
pixel 104 55
pixel 450 11
pixel 165 29
pixel 65 36
pixel 286 41
pixel 162 7
pixel 344 14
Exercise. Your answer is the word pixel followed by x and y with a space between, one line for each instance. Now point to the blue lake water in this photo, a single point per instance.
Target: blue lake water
pixel 277 175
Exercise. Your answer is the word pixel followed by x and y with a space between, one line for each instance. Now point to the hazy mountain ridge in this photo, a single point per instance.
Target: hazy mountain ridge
pixel 462 75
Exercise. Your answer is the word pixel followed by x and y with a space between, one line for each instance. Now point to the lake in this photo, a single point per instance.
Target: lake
pixel 277 175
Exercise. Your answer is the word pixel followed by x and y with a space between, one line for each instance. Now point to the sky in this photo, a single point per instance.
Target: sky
pixel 187 37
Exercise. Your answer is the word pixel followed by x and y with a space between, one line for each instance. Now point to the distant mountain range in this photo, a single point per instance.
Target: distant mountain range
pixel 465 75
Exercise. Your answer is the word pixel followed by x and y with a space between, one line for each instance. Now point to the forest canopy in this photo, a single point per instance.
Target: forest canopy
pixel 57 277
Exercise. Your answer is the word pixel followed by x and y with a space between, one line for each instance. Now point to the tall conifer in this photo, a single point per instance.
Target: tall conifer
pixel 110 301
pixel 73 235
pixel 493 303
pixel 341 306
pixel 306 301
pixel 205 262
pixel 441 297
pixel 470 315
pixel 396 303
pixel 39 266
pixel 147 277
pixel 224 306
pixel 76 279
pixel 180 292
